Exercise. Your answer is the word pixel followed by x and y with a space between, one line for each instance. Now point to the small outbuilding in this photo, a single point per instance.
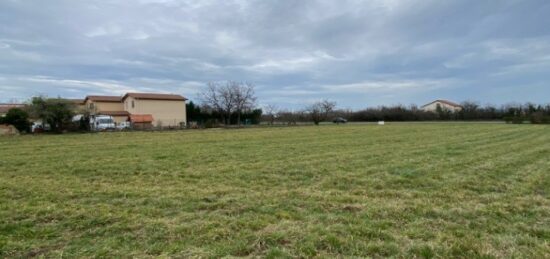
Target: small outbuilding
pixel 141 121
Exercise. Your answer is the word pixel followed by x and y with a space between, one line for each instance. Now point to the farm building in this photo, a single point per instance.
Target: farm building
pixel 443 104
pixel 143 121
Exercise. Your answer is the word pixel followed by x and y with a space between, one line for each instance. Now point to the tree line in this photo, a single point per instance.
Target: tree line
pixel 204 116
pixel 471 111
pixel 232 102
pixel 225 103
pixel 235 103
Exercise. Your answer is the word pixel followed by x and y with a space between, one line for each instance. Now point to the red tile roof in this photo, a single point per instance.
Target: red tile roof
pixel 141 118
pixel 153 96
pixel 103 98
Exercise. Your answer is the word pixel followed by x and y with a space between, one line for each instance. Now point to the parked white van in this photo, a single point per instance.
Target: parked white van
pixel 102 123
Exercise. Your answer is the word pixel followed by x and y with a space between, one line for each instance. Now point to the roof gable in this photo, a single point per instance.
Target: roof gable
pixel 155 96
pixel 444 102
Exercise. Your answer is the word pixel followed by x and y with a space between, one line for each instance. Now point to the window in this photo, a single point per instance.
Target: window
pixel 105 121
pixel 133 105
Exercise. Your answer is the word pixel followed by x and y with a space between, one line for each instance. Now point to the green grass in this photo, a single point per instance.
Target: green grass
pixel 401 190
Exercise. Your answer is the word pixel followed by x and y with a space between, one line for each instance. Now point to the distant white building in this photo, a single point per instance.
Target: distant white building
pixel 444 104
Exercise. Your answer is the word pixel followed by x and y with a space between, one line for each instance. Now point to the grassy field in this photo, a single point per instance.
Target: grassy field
pixel 402 190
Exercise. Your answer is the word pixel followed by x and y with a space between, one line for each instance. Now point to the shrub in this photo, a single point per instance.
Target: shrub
pixel 539 118
pixel 56 112
pixel 514 119
pixel 211 123
pixel 518 120
pixel 18 118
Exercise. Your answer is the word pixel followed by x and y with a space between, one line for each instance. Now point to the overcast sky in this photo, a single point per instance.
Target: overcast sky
pixel 358 53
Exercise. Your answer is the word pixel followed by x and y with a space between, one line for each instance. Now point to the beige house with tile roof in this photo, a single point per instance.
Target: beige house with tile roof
pixel 167 110
pixel 162 110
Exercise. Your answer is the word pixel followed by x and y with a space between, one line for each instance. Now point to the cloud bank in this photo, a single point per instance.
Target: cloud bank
pixel 357 53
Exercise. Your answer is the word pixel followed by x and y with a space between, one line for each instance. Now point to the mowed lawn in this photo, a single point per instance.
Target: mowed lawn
pixel 400 190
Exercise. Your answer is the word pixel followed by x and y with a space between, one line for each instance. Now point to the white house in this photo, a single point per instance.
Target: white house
pixel 444 104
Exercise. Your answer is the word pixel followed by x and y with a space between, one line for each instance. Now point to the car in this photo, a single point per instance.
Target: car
pixel 125 125
pixel 339 120
pixel 39 127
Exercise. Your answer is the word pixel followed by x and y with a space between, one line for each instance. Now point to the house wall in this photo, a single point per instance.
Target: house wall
pixel 104 106
pixel 433 107
pixel 166 112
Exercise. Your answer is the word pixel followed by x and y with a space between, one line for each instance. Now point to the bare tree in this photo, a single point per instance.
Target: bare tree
pixel 219 97
pixel 229 97
pixel 210 97
pixel 319 111
pixel 271 112
pixel 290 117
pixel 327 107
pixel 244 99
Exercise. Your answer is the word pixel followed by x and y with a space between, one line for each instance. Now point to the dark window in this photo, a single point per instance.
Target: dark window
pixel 133 105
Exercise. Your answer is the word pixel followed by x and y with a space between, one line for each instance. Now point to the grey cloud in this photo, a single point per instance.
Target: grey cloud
pixel 357 52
